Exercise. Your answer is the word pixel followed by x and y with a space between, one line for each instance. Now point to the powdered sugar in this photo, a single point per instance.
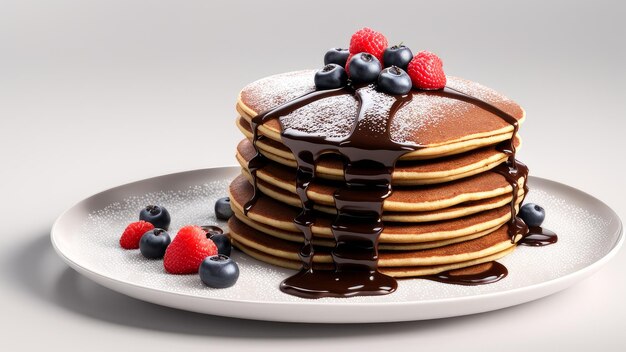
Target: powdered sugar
pixel 428 118
pixel 331 117
pixel 376 111
pixel 477 90
pixel 269 92
pixel 334 117
pixel 424 111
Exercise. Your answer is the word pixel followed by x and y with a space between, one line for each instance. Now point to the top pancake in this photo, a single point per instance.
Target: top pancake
pixel 439 125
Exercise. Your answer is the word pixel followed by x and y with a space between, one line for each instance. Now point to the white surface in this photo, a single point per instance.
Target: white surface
pixel 90 90
pixel 87 238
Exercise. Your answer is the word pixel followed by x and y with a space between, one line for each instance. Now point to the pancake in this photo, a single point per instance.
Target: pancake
pixel 403 199
pixel 407 185
pixel 317 241
pixel 241 185
pixel 397 272
pixel 330 166
pixel 458 268
pixel 274 214
pixel 440 125
pixel 245 237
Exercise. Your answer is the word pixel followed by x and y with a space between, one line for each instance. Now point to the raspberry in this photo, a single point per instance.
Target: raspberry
pixel 426 71
pixel 187 251
pixel 133 232
pixel 368 41
pixel 348 64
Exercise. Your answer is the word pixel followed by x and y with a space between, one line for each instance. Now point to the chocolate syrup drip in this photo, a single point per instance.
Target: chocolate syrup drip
pixel 538 237
pixel 512 170
pixel 512 173
pixel 494 273
pixel 213 230
pixel 508 118
pixel 259 160
pixel 370 157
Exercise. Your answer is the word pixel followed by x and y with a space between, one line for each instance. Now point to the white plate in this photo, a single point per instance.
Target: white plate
pixel 86 237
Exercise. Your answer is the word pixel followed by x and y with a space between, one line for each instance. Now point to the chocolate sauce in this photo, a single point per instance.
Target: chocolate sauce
pixel 538 237
pixel 369 156
pixel 259 160
pixel 512 173
pixel 509 146
pixel 493 273
pixel 512 170
pixel 212 230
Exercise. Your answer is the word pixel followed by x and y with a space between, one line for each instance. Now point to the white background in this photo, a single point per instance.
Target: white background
pixel 98 93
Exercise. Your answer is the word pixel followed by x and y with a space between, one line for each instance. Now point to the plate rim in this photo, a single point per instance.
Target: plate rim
pixel 565 280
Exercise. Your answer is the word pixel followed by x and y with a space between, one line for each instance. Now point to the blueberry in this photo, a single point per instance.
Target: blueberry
pixel 394 80
pixel 364 68
pixel 397 55
pixel 219 271
pixel 223 210
pixel 154 243
pixel 156 215
pixel 222 242
pixel 532 214
pixel 330 77
pixel 336 56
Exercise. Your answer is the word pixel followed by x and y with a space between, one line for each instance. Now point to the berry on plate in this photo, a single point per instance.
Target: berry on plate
pixel 154 243
pixel 426 71
pixel 397 55
pixel 219 271
pixel 394 80
pixel 187 250
pixel 222 241
pixel 367 40
pixel 330 77
pixel 336 56
pixel 364 68
pixel 133 232
pixel 156 215
pixel 223 211
pixel 532 214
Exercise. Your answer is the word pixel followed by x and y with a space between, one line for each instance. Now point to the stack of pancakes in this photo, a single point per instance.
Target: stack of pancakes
pixel 449 209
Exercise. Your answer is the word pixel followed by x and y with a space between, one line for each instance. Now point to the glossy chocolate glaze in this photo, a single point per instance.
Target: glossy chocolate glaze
pixel 212 230
pixel 495 272
pixel 538 237
pixel 258 161
pixel 513 170
pixel 369 156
